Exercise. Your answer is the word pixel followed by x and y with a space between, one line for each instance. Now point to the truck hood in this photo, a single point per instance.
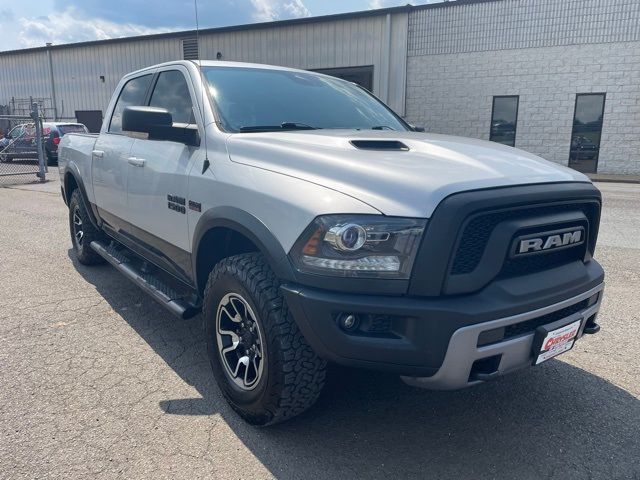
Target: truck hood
pixel 400 182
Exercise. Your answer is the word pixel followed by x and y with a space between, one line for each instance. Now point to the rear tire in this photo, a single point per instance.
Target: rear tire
pixel 82 231
pixel 269 372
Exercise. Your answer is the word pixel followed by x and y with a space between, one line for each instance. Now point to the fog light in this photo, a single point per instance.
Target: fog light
pixel 348 322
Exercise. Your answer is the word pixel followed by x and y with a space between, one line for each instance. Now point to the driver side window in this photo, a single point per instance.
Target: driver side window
pixel 172 92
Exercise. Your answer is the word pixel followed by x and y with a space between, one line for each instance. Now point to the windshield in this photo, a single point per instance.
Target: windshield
pixel 254 99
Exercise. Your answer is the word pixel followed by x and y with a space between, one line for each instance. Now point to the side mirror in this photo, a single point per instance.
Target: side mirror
pixel 158 124
pixel 417 129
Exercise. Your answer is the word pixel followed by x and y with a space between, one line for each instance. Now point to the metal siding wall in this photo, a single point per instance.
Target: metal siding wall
pixel 77 72
pixel 23 76
pixel 330 44
pixel 342 43
pixel 398 67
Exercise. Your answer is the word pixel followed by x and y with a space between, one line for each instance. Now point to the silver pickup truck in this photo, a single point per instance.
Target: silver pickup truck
pixel 307 222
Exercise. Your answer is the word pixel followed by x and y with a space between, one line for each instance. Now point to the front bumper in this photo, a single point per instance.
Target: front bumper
pixel 466 363
pixel 440 342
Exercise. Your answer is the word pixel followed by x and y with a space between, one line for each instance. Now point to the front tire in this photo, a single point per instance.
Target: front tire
pixel 82 231
pixel 265 368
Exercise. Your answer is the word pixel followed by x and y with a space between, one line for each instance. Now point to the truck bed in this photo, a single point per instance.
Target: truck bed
pixel 77 149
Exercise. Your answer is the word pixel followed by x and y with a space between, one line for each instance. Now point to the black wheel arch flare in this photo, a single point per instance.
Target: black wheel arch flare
pixel 249 226
pixel 72 171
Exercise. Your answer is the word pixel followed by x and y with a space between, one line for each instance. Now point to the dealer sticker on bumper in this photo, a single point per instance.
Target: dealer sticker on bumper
pixel 557 341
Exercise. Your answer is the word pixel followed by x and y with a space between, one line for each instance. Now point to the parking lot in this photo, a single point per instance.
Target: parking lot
pixel 97 381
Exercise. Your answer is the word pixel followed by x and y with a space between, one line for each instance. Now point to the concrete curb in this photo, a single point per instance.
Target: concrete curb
pixel 614 178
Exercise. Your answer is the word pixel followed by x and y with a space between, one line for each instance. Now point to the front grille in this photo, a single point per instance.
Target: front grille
pixel 467 239
pixel 537 263
pixel 496 335
pixel 477 231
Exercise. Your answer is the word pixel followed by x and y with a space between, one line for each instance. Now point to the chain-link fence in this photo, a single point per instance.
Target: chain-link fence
pixel 22 148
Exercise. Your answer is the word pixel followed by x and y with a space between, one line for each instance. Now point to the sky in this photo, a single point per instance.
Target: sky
pixel 32 23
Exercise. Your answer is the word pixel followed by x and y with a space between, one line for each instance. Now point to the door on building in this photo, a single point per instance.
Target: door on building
pixel 587 131
pixel 362 76
pixel 92 119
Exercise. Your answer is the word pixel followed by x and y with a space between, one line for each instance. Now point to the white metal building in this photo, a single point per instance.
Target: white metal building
pixel 559 78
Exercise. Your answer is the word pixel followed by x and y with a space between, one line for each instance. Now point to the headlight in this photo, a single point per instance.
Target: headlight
pixel 369 246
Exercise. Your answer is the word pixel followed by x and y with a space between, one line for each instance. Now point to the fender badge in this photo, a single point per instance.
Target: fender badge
pixel 195 206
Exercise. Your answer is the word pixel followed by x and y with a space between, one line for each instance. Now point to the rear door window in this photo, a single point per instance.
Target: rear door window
pixel 132 94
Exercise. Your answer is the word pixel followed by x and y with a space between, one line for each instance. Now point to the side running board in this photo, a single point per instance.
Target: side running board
pixel 177 303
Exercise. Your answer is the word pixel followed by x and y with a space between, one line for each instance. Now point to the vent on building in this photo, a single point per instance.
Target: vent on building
pixel 190 48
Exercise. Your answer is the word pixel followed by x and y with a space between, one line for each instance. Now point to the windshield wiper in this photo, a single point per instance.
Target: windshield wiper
pixel 382 127
pixel 275 128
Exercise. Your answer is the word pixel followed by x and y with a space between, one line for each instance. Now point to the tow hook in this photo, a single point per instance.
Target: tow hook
pixel 591 326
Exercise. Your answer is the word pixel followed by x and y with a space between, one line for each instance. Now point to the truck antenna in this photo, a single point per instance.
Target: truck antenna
pixel 206 163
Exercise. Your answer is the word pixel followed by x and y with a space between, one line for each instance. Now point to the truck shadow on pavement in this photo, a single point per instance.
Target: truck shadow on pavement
pixel 553 421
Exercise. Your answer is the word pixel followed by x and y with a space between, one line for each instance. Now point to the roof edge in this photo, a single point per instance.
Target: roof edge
pixel 255 26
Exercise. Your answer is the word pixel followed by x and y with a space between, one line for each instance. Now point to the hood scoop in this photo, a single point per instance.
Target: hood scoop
pixel 386 145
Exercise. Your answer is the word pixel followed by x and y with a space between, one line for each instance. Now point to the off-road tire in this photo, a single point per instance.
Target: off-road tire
pixel 293 374
pixel 86 255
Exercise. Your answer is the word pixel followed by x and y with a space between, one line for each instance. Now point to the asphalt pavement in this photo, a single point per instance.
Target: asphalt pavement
pixel 97 381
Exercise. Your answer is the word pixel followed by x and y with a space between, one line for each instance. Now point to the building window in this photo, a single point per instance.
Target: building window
pixel 587 131
pixel 362 76
pixel 504 118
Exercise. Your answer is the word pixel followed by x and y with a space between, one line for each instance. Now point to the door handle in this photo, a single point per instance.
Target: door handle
pixel 98 153
pixel 136 162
